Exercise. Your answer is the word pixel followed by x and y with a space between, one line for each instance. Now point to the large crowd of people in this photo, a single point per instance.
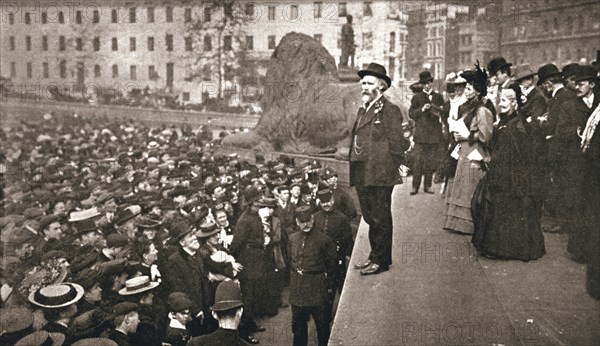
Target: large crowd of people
pixel 119 232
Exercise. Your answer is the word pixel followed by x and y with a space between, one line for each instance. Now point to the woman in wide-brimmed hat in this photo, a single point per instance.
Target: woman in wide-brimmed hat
pixel 472 131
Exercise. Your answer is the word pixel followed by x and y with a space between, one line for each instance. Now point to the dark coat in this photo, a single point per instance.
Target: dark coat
pixel 428 128
pixel 572 115
pixel 344 203
pixel 313 254
pixel 219 337
pixel 337 227
pixel 563 95
pixel 535 106
pixel 118 337
pixel 386 145
pixel 189 274
pixel 248 246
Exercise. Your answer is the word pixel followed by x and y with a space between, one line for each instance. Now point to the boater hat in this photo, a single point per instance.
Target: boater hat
pixel 376 70
pixel 137 285
pixel 56 296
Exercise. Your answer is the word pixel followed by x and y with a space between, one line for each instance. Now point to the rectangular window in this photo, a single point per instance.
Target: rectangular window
pixel 79 44
pixel 132 44
pixel 115 44
pixel 63 69
pixel 150 44
pixel 318 37
pixel 28 43
pixel 249 10
pixel 96 17
pixel 169 42
pixel 367 40
pixel 44 17
pixel 96 44
pixel 169 14
pixel 228 9
pixel 11 18
pixel 271 13
pixel 29 70
pixel 115 71
pixel 13 69
pixel 11 42
pixel 318 9
pixel 186 96
pixel 392 42
pixel 293 12
pixel 133 72
pixel 61 17
pixel 187 15
pixel 62 45
pixel 227 42
pixel 132 15
pixel 367 10
pixel 207 13
pixel 249 42
pixel 114 16
pixel 27 18
pixel 44 43
pixel 97 71
pixel 188 44
pixel 342 11
pixel 78 17
pixel 207 43
pixel 152 72
pixel 206 73
pixel 45 71
pixel 271 42
pixel 150 14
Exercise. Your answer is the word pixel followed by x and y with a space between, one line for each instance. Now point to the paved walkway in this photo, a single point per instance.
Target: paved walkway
pixel 439 292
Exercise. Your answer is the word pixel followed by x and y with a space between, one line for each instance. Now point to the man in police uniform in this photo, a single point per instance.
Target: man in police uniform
pixel 313 261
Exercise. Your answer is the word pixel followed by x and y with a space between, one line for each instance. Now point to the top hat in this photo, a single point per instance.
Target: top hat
pixel 547 71
pixel 376 70
pixel 570 70
pixel 179 301
pixel 42 338
pixel 303 213
pixel 425 77
pixel 137 285
pixel 228 296
pixel 497 64
pixel 85 226
pixel 523 71
pixel 588 73
pixel 56 296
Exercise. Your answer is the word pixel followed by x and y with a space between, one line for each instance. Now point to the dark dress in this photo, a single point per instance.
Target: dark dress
pixel 507 221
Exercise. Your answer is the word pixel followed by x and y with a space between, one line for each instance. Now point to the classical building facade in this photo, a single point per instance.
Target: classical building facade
pixel 116 45
pixel 550 31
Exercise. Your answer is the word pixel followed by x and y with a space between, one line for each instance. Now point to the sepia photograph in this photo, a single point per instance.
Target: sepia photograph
pixel 342 173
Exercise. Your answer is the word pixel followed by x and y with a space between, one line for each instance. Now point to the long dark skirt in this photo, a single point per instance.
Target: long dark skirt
pixel 508 227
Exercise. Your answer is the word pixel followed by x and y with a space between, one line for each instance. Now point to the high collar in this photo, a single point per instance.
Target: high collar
pixel 373 102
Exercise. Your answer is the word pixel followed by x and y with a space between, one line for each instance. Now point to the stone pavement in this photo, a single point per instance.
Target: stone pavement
pixel 439 292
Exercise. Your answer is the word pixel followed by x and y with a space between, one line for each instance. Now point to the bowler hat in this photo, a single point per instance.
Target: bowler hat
pixel 251 195
pixel 137 285
pixel 588 73
pixel 125 215
pixel 303 213
pixel 179 229
pixel 85 226
pixel 376 70
pixel 47 220
pixel 523 71
pixel 570 70
pixel 497 64
pixel 124 308
pixel 56 296
pixel 42 338
pixel 267 202
pixel 228 296
pixel 15 319
pixel 425 77
pixel 547 71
